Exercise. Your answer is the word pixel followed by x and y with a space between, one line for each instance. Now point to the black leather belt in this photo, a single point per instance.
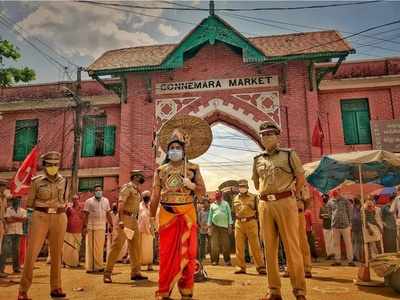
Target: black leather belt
pixel 277 196
pixel 247 219
pixel 51 210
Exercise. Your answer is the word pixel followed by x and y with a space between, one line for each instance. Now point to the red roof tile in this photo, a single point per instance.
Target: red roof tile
pixel 271 46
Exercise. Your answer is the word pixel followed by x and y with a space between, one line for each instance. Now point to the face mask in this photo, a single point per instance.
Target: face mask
pixel 53 170
pixel 270 141
pixel 146 199
pixel 243 190
pixel 141 180
pixel 115 210
pixel 15 204
pixel 175 155
pixel 98 194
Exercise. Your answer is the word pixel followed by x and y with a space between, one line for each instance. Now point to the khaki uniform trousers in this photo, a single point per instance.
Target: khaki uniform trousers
pixel 52 226
pixel 134 247
pixel 280 219
pixel 304 245
pixel 247 230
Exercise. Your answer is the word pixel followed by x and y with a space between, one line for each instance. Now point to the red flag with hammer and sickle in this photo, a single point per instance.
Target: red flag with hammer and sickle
pixel 22 179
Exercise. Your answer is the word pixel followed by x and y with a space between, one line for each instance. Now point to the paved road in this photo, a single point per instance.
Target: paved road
pixel 328 283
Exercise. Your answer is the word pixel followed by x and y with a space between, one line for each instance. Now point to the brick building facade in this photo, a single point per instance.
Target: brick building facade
pixel 289 79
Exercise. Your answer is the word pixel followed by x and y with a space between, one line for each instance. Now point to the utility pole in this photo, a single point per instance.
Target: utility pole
pixel 78 109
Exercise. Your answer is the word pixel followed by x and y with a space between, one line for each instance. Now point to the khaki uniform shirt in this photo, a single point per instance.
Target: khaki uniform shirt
pixel 273 173
pixel 170 180
pixel 130 197
pixel 245 206
pixel 45 192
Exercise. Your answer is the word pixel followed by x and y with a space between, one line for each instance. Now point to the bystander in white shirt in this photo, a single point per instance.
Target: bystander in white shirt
pixel 15 227
pixel 97 210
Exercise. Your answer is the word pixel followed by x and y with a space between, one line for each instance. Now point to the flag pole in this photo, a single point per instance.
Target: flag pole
pixel 363 271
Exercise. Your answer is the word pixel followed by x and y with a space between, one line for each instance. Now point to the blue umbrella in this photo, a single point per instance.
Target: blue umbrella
pixel 360 167
pixel 332 172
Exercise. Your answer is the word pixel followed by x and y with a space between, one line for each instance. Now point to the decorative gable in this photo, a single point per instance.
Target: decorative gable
pixel 210 30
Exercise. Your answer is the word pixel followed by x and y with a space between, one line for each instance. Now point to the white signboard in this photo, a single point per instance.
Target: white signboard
pixel 216 84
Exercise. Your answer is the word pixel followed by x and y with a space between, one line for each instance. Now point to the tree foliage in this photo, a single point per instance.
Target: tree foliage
pixel 11 75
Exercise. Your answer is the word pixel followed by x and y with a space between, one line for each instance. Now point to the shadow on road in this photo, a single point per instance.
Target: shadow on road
pixel 145 283
pixel 381 291
pixel 218 281
pixel 332 279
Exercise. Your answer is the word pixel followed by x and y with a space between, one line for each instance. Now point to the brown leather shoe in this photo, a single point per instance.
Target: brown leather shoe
pixel 138 277
pixel 57 293
pixel 262 271
pixel 23 296
pixel 240 271
pixel 301 297
pixel 107 278
pixel 272 297
pixel 285 274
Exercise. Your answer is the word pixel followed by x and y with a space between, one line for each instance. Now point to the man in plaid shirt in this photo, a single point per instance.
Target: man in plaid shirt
pixel 341 212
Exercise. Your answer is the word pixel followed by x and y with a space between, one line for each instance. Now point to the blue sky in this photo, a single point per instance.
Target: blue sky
pixel 229 157
pixel 80 33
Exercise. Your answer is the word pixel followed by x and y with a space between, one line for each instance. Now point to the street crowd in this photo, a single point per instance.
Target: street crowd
pixel 274 230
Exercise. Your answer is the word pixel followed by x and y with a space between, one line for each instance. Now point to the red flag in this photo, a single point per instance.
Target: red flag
pixel 22 179
pixel 318 135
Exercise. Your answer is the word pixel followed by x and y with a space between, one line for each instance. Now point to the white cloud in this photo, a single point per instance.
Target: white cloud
pixel 168 30
pixel 86 30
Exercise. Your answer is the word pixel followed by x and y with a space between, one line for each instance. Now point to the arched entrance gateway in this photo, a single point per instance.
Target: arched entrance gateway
pixel 217 74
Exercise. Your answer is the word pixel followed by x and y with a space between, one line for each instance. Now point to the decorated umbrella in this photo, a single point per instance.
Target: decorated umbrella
pixel 354 189
pixel 360 167
pixel 195 132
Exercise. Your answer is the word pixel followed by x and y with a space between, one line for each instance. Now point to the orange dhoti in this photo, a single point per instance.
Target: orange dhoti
pixel 178 249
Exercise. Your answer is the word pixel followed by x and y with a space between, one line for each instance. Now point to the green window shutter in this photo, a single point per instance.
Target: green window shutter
pixel 109 140
pixel 349 128
pixel 89 141
pixel 363 126
pixel 26 135
pixel 87 184
pixel 356 121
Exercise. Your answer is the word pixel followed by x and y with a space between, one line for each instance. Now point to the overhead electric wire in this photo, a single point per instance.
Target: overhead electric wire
pixel 69 61
pixel 309 48
pixel 48 57
pixel 232 9
pixel 147 15
pixel 252 18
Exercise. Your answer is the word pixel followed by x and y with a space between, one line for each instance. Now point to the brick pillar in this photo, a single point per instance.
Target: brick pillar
pixel 395 94
pixel 137 123
pixel 295 100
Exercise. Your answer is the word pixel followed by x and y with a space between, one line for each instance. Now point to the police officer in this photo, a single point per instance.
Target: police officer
pixel 246 228
pixel 49 220
pixel 278 175
pixel 3 207
pixel 128 210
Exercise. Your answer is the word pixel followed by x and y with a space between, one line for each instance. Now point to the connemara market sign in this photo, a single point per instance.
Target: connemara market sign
pixel 216 84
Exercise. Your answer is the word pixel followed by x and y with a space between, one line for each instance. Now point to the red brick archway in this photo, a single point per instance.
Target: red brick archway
pixel 219 117
pixel 244 112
